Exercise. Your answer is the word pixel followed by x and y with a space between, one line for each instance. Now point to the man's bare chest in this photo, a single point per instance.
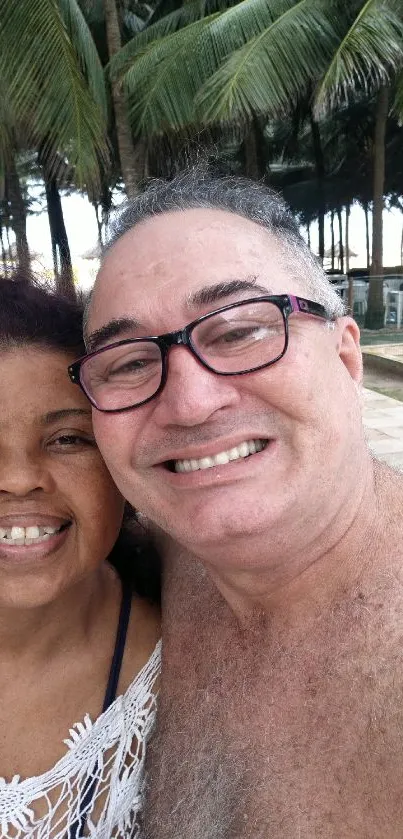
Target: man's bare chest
pixel 323 765
pixel 323 728
pixel 307 740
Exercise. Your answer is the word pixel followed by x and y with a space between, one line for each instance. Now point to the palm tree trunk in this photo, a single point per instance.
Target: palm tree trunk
pixel 18 215
pixel 332 234
pixel 3 252
pixel 320 175
pixel 9 245
pixel 347 238
pixel 308 232
pixel 253 148
pixel 126 148
pixel 375 312
pixel 96 207
pixel 341 249
pixel 367 235
pixel 249 148
pixel 60 243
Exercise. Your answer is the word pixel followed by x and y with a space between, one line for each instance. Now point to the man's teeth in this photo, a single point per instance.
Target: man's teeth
pixel 31 535
pixel 238 452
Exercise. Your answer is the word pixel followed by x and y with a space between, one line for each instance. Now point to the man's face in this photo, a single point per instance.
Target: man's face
pixel 304 408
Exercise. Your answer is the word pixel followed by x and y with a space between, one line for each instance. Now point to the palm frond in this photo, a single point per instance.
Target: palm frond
pixel 189 13
pixel 273 67
pixel 48 92
pixel 7 123
pixel 397 106
pixel 166 74
pixel 161 95
pixel 84 46
pixel 238 25
pixel 366 57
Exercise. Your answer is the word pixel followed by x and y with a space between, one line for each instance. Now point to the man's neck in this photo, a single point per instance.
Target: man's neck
pixel 307 571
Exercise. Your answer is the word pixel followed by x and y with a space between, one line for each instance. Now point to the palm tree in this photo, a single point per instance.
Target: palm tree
pixel 54 82
pixel 207 63
pixel 53 93
pixel 127 153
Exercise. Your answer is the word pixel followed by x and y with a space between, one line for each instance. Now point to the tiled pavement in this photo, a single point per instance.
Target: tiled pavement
pixel 383 421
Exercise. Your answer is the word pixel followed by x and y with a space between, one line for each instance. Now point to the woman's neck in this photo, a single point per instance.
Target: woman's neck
pixel 37 634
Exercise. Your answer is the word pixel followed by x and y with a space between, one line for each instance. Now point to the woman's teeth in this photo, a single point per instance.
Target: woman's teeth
pixel 238 452
pixel 26 535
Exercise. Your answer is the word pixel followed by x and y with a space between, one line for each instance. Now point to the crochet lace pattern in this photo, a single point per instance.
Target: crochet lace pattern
pixel 104 765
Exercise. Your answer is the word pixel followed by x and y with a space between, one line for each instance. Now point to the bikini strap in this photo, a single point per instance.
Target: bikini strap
pixel 116 665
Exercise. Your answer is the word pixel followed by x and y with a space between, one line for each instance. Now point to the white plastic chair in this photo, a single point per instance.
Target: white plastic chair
pixel 360 297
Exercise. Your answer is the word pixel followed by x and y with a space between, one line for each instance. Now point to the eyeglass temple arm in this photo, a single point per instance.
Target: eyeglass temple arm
pixel 300 304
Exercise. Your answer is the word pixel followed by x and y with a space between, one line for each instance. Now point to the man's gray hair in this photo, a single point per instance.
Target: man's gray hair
pixel 198 188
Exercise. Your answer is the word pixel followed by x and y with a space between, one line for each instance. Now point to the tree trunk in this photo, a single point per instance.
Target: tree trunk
pixel 12 260
pixel 60 244
pixel 367 235
pixel 3 252
pixel 106 202
pixel 332 234
pixel 320 175
pixel 141 160
pixel 250 154
pixel 341 249
pixel 253 148
pixel 375 313
pixel 96 207
pixel 18 215
pixel 347 238
pixel 126 148
pixel 308 231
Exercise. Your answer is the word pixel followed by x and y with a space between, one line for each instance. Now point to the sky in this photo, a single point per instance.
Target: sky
pixel 81 228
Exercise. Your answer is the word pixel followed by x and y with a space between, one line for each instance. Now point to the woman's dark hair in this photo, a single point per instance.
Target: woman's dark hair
pixel 34 315
pixel 136 559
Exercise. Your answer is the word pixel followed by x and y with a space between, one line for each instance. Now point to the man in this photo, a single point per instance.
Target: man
pixel 238 434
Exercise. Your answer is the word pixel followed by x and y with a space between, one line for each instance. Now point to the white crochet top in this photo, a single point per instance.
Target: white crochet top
pixel 104 759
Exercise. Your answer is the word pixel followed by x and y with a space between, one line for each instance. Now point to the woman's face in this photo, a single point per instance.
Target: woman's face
pixel 60 512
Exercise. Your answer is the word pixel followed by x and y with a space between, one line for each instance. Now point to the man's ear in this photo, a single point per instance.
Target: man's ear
pixel 348 338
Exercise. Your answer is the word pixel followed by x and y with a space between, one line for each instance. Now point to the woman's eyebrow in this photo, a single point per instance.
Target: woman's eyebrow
pixel 65 413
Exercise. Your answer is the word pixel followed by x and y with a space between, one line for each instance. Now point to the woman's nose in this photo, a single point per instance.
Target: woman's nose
pixel 22 474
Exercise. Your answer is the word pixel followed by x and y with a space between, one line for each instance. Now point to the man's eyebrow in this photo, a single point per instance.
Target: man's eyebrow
pixel 114 329
pixel 119 327
pixel 65 413
pixel 213 293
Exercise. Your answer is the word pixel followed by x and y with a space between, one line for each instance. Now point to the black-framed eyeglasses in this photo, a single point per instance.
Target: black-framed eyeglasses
pixel 236 339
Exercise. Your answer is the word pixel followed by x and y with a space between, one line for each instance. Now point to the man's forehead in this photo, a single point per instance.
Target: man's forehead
pixel 171 261
pixel 197 237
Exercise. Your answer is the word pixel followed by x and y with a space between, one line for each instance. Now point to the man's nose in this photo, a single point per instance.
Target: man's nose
pixel 192 393
pixel 22 473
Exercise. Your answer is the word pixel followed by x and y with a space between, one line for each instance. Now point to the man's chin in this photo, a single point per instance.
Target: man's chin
pixel 205 531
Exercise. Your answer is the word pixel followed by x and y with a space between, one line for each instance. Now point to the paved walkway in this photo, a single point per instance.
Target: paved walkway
pixel 383 421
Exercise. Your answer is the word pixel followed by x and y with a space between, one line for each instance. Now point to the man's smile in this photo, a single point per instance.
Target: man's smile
pixel 244 449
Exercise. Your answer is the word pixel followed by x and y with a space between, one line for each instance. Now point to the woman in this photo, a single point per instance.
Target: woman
pixel 79 650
